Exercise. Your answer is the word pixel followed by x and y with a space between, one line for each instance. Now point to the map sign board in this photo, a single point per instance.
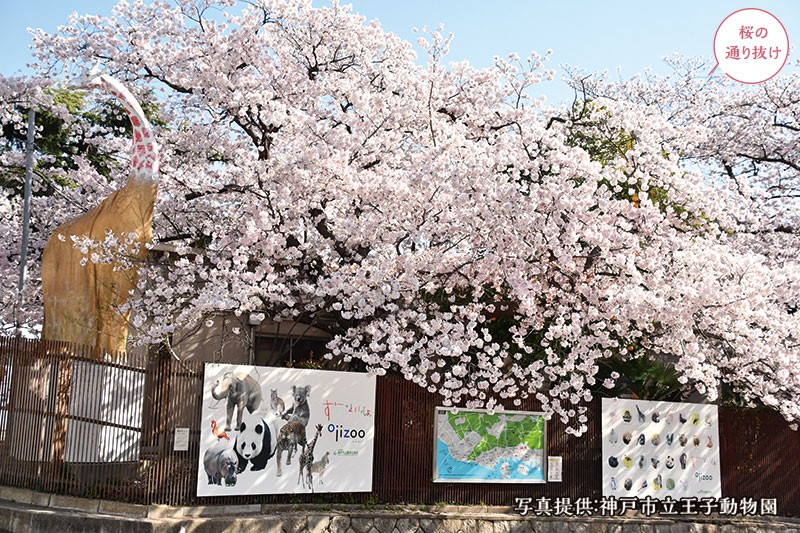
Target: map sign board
pixel 660 449
pixel 272 430
pixel 478 446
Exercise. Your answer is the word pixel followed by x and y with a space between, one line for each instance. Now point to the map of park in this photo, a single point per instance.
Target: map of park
pixel 483 446
pixel 526 431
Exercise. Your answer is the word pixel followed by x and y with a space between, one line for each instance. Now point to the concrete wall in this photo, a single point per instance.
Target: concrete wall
pixel 24 510
pixel 228 340
pixel 225 341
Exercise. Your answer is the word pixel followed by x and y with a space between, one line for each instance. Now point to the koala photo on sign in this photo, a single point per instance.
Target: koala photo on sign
pixel 268 430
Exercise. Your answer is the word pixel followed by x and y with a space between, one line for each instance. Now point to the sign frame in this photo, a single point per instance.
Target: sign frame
pixel 436 479
pixel 337 402
pixel 676 443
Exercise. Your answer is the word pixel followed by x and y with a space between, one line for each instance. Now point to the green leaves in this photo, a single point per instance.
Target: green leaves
pixel 643 378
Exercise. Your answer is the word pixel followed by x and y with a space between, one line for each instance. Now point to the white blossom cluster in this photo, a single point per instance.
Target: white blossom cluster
pixel 441 221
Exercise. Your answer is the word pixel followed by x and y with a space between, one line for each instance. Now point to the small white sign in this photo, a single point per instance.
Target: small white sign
pixel 554 464
pixel 181 440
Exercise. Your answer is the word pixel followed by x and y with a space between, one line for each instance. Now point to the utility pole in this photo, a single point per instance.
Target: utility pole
pixel 26 215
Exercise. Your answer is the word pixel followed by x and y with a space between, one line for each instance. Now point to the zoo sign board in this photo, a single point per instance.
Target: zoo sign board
pixel 272 430
pixel 660 449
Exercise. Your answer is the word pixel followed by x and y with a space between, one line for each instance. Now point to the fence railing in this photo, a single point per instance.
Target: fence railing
pixel 71 424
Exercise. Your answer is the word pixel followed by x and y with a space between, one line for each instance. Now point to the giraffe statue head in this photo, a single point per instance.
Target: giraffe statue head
pixel 89 79
pixel 84 305
pixel 144 153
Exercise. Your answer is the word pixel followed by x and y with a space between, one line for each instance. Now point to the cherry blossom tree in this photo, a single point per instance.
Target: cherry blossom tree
pixel 750 141
pixel 439 219
pixel 74 151
pixel 18 95
pixel 747 146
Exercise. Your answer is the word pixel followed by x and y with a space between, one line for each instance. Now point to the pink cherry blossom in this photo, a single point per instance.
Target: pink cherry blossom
pixel 313 170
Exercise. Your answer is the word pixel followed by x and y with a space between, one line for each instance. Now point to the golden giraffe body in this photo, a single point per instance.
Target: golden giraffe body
pixel 81 303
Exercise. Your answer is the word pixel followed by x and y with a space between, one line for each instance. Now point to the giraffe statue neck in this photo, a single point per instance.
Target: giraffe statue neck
pixel 144 154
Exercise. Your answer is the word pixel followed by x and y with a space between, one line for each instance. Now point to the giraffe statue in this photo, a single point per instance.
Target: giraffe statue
pixel 81 302
pixel 307 459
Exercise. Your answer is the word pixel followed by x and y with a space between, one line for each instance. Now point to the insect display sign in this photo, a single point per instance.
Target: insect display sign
pixel 272 430
pixel 660 449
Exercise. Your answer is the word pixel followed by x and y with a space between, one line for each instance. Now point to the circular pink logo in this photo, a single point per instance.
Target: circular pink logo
pixel 751 46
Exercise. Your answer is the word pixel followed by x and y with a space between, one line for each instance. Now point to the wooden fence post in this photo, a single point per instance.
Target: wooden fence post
pixel 63 388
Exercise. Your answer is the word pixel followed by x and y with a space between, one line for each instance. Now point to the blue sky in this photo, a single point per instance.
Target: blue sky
pixel 591 35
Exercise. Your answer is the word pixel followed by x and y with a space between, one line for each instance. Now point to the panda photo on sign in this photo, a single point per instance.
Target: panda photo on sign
pixel 255 442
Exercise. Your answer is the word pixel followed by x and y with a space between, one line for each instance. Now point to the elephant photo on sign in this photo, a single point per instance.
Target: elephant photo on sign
pixel 242 391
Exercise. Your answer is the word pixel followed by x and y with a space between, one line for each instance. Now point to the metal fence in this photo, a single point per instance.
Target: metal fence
pixel 71 424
